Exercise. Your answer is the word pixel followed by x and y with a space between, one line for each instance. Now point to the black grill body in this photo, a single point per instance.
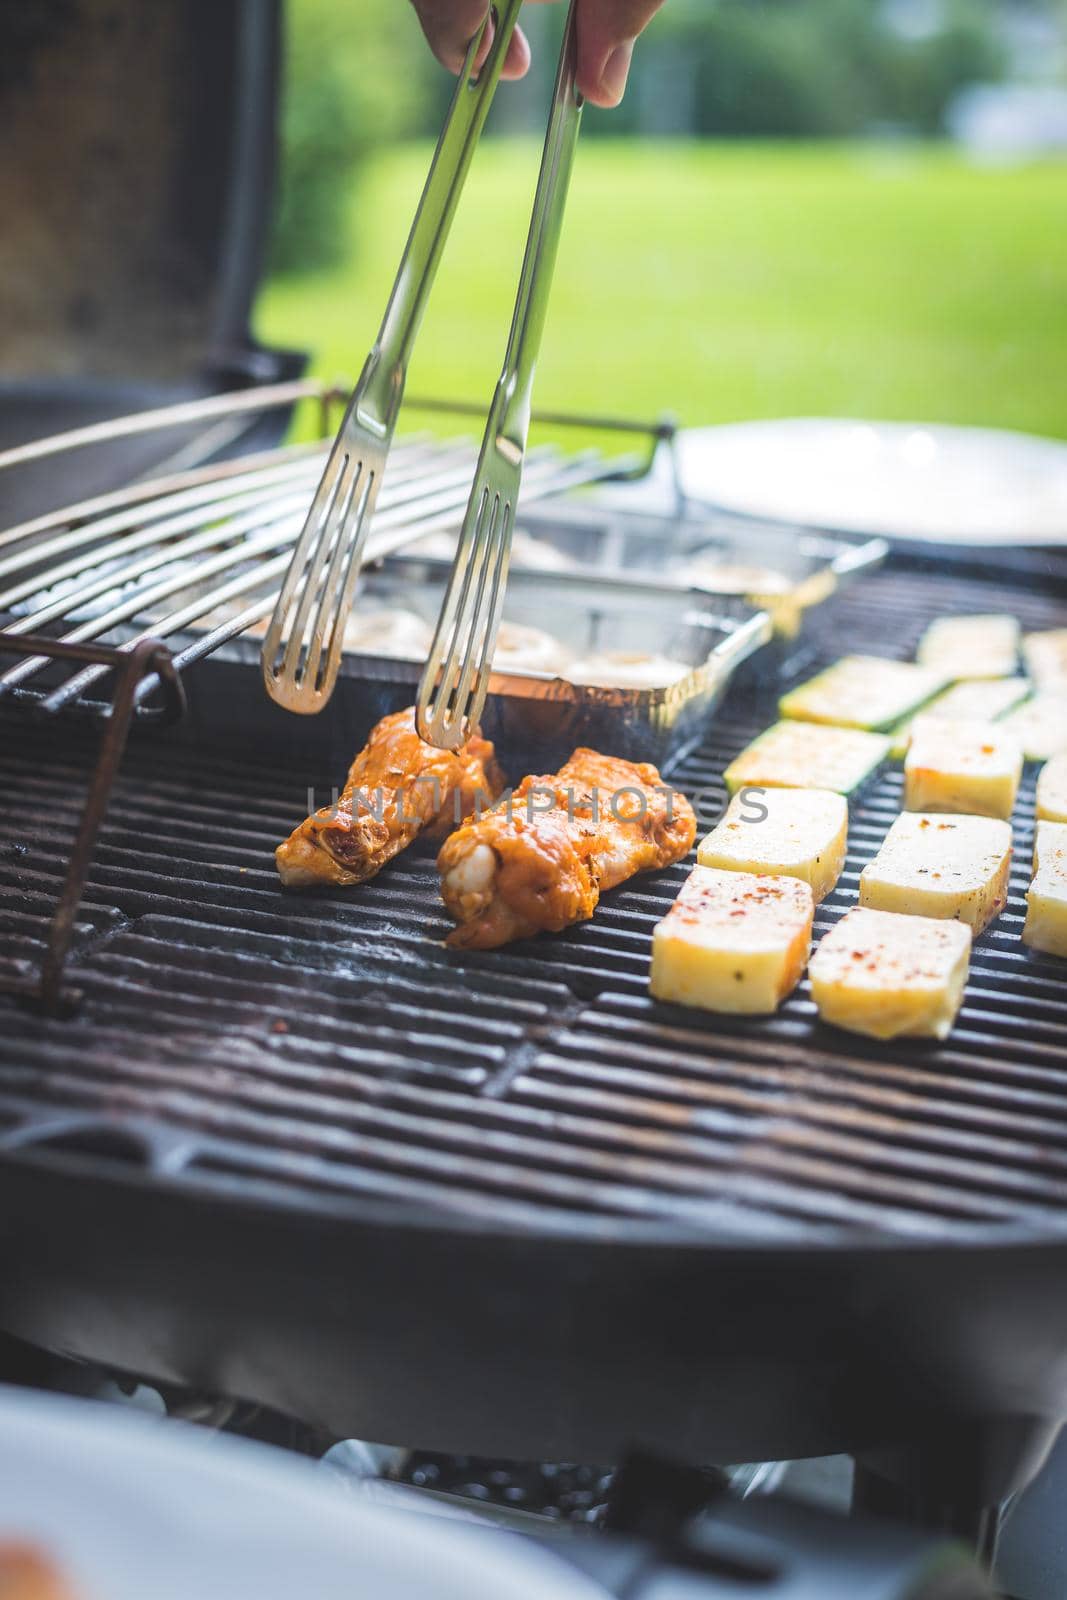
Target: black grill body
pixel 291 1148
pixel 135 227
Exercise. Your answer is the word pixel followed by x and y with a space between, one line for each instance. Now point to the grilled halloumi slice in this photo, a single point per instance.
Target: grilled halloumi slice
pixel 863 692
pixel 1052 790
pixel 791 833
pixel 971 647
pixel 979 700
pixel 962 766
pixel 1046 900
pixel 627 669
pixel 805 755
pixel 733 942
pixel 1040 724
pixel 1046 657
pixel 890 976
pixel 1050 842
pixel 941 866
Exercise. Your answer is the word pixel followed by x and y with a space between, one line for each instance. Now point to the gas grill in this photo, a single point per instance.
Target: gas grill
pixel 295 1150
pixel 291 1150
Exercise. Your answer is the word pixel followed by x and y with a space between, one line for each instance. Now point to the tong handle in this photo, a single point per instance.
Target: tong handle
pixel 510 416
pixel 381 387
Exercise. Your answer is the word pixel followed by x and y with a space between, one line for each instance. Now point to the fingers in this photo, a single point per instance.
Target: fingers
pixel 607 30
pixel 450 25
pixel 606 33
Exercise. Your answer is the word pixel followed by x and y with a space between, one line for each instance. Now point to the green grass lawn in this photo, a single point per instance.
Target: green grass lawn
pixel 723 282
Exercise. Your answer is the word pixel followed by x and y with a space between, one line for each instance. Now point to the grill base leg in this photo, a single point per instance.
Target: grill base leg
pixel 958 1478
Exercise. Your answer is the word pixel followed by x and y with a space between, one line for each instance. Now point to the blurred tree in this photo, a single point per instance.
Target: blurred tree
pixel 356 75
pixel 801 68
pixel 965 50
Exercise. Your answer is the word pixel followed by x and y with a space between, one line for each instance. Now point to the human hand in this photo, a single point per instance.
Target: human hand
pixel 607 30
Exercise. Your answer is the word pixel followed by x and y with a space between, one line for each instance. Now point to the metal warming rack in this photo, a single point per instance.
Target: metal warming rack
pixel 131 587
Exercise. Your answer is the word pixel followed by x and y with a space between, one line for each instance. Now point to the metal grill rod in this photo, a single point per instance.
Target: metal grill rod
pixel 178 513
pixel 441 493
pixel 270 397
pixel 391 533
pixel 411 484
pixel 158 495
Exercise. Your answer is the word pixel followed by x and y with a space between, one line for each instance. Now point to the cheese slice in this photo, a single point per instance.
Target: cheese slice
pixel 971 647
pixel 887 975
pixel 863 692
pixel 1046 657
pixel 803 755
pixel 940 866
pixel 1050 844
pixel 1040 724
pixel 733 942
pixel 1046 899
pixel 961 765
pixel 1051 803
pixel 980 700
pixel 791 833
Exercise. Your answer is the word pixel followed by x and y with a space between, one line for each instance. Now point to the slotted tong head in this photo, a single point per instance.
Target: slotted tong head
pixel 304 641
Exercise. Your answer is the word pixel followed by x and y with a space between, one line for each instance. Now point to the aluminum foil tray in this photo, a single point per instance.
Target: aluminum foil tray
pixel 793 573
pixel 536 717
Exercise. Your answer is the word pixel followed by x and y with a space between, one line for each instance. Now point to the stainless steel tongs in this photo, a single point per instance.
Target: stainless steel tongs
pixel 305 637
pixel 456 677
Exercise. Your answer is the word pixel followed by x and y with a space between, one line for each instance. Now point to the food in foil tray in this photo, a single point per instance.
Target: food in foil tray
pixel 732 577
pixel 389 631
pixel 535 555
pixel 523 649
pixel 627 669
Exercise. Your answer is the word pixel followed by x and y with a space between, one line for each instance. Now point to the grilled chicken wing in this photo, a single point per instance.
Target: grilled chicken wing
pixel 397 787
pixel 541 861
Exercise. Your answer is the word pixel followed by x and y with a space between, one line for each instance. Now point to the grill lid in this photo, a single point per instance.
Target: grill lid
pixel 136 176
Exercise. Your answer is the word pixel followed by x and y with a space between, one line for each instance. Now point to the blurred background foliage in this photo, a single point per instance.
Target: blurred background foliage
pixel 782 218
pixel 358 79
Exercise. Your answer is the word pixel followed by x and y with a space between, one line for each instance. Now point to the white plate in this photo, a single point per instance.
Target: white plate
pixel 908 480
pixel 130 1508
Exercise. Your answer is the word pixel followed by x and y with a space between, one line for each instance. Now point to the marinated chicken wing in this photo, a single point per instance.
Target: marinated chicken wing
pixel 25 1574
pixel 397 788
pixel 540 861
